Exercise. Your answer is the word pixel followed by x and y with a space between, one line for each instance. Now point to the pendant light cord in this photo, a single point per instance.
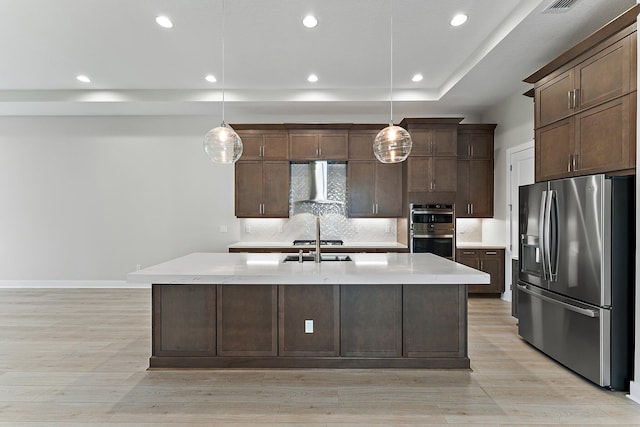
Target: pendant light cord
pixel 223 61
pixel 391 60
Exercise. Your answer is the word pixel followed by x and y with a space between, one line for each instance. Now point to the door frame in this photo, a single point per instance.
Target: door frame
pixel 507 295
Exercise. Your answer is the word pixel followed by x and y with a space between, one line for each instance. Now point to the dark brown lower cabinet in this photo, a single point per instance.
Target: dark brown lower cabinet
pixel 371 320
pixel 247 320
pixel 318 304
pixel 309 326
pixel 488 260
pixel 426 313
pixel 177 309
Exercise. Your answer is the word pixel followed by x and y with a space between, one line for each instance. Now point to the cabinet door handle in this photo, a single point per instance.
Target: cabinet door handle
pixel 471 151
pixel 432 185
pixel 569 99
pixel 471 205
pixel 376 209
pixel 373 208
pixel 491 253
pixel 481 265
pixel 576 98
pixel 468 253
pixel 570 163
pixel 575 162
pixel 468 209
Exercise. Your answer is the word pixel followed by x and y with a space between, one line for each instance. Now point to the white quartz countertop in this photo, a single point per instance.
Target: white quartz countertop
pixel 477 245
pixel 345 245
pixel 269 268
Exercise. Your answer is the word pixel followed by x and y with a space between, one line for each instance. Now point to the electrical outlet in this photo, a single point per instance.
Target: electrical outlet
pixel 247 229
pixel 308 326
pixel 280 228
pixel 387 229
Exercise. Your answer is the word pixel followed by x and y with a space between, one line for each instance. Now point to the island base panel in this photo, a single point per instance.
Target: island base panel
pixel 308 362
pixel 355 326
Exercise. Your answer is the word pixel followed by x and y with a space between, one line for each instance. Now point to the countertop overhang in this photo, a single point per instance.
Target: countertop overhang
pixel 269 269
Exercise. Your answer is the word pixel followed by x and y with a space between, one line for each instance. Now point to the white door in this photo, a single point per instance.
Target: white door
pixel 521 172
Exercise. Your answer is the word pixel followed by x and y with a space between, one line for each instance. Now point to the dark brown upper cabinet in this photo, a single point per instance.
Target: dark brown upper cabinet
pixel 474 197
pixel 322 144
pixel 375 189
pixel 262 189
pixel 431 167
pixel 585 105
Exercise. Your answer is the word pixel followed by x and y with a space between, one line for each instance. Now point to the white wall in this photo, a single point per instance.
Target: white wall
pixel 89 198
pixel 514 117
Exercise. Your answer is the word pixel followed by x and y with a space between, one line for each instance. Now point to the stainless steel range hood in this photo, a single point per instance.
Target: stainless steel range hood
pixel 318 183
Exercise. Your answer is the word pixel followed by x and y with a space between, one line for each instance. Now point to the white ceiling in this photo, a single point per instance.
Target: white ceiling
pixel 139 68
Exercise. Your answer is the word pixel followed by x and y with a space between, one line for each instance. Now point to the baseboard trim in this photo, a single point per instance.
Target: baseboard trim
pixel 71 284
pixel 634 391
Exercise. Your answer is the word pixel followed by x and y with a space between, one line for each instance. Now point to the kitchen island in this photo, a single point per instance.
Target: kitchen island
pixel 247 310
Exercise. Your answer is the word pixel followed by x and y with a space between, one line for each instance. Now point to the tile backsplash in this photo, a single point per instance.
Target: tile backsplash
pixel 469 230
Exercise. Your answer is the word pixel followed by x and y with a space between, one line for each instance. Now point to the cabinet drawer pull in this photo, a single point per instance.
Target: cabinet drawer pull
pixel 491 253
pixel 468 252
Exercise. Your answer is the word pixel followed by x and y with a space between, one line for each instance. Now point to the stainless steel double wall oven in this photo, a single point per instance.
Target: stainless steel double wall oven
pixel 432 229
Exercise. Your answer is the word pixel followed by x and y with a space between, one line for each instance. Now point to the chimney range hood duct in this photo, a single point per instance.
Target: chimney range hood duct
pixel 318 183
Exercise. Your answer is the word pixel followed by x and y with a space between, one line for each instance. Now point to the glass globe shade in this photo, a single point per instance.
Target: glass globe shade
pixel 223 144
pixel 392 144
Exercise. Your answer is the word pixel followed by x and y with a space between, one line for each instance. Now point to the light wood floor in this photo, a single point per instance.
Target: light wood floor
pixel 71 357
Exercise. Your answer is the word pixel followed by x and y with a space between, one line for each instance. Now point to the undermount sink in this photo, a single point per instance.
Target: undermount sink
pixel 296 258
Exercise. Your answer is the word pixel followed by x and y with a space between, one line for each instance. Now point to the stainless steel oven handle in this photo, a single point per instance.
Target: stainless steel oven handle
pixel 431 211
pixel 579 310
pixel 431 236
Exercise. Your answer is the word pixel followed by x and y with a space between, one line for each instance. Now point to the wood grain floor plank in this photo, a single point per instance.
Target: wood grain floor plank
pixel 79 357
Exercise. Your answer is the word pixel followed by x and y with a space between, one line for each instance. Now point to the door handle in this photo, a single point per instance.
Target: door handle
pixel 584 311
pixel 541 232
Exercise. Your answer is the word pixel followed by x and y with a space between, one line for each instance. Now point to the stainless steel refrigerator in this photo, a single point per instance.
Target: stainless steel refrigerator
pixel 575 282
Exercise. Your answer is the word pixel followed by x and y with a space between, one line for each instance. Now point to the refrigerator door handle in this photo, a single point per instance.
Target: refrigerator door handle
pixel 579 310
pixel 541 233
pixel 553 262
pixel 547 234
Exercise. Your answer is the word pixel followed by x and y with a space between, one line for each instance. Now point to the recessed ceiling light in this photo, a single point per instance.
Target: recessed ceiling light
pixel 164 21
pixel 210 78
pixel 312 78
pixel 82 78
pixel 417 78
pixel 459 19
pixel 310 21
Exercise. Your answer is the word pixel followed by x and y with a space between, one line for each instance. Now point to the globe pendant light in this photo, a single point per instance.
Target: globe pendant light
pixel 223 144
pixel 393 143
